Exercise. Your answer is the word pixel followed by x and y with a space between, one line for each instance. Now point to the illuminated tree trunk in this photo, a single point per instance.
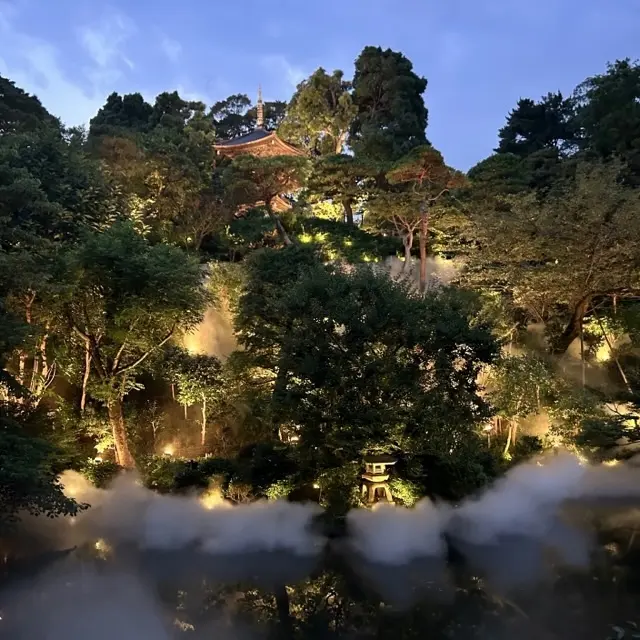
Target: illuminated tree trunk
pixel 203 431
pixel 348 211
pixel 424 232
pixel 116 420
pixel 87 373
pixel 407 242
pixel 282 232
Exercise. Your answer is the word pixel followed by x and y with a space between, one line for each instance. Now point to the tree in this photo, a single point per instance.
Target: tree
pixel 251 180
pixel 534 126
pixel 235 116
pixel 424 169
pixel 360 363
pixel 198 379
pixel 128 114
pixel 391 117
pixel 128 300
pixel 320 113
pixel 559 256
pixel 608 115
pixel 20 111
pixel 30 464
pixel 341 178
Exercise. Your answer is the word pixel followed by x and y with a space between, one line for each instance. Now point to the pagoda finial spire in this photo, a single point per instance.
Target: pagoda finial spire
pixel 260 110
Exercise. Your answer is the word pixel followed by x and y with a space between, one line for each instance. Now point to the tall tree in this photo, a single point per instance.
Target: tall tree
pixel 198 379
pixel 129 299
pixel 609 115
pixel 359 362
pixel 391 116
pixel 120 115
pixel 320 113
pixel 235 116
pixel 534 126
pixel 424 170
pixel 20 111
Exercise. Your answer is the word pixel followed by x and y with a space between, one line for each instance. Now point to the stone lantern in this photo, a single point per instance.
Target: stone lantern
pixel 375 477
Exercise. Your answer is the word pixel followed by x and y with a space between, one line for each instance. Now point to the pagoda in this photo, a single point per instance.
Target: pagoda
pixel 260 143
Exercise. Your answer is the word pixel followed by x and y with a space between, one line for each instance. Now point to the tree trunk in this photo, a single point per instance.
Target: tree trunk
pixel 284 236
pixel 424 232
pixel 407 242
pixel 116 419
pixel 85 377
pixel 282 606
pixel 348 211
pixel 574 327
pixel 203 431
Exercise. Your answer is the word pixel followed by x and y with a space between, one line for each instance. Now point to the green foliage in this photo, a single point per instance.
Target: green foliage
pixel 391 117
pixel 359 361
pixel 29 467
pixel 197 377
pixel 339 488
pixel 520 385
pixel 340 178
pixel 280 489
pixel 337 241
pixel 533 126
pixel 250 179
pixel 320 113
pixel 20 112
pixel 608 115
pixel 101 472
pixel 404 491
pixel 559 254
pixel 234 116
pixel 128 113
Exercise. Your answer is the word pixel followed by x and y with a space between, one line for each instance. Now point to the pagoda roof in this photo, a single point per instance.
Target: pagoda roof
pixel 254 136
pixel 380 458
pixel 261 141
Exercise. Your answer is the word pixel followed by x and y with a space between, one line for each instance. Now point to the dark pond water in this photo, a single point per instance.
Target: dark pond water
pixel 514 587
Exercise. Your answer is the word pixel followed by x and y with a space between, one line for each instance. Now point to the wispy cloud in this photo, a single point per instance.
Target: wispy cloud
pixel 105 44
pixel 283 72
pixel 35 65
pixel 171 48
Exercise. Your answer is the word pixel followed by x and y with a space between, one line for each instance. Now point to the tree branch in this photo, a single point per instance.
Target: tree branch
pixel 145 355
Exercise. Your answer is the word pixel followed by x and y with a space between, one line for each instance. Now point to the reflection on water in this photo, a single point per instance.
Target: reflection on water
pixel 484 591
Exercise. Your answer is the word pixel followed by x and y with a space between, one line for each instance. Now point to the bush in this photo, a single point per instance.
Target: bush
pixel 101 473
pixel 280 489
pixel 339 489
pixel 405 492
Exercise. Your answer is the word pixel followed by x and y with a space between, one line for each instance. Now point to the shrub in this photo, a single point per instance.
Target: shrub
pixel 101 473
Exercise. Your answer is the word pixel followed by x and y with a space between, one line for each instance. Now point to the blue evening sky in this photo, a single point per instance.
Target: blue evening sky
pixel 479 56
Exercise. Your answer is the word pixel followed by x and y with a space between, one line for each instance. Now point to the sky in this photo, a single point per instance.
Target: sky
pixel 479 56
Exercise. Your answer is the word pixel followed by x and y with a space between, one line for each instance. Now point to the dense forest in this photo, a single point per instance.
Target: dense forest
pixel 153 317
pixel 514 328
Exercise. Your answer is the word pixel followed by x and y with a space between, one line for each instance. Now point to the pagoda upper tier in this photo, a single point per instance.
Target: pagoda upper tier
pixel 260 142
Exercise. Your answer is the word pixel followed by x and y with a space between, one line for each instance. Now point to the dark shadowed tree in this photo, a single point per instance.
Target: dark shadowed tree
pixel 391 117
pixel 121 115
pixel 609 115
pixel 534 126
pixel 20 111
pixel 559 256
